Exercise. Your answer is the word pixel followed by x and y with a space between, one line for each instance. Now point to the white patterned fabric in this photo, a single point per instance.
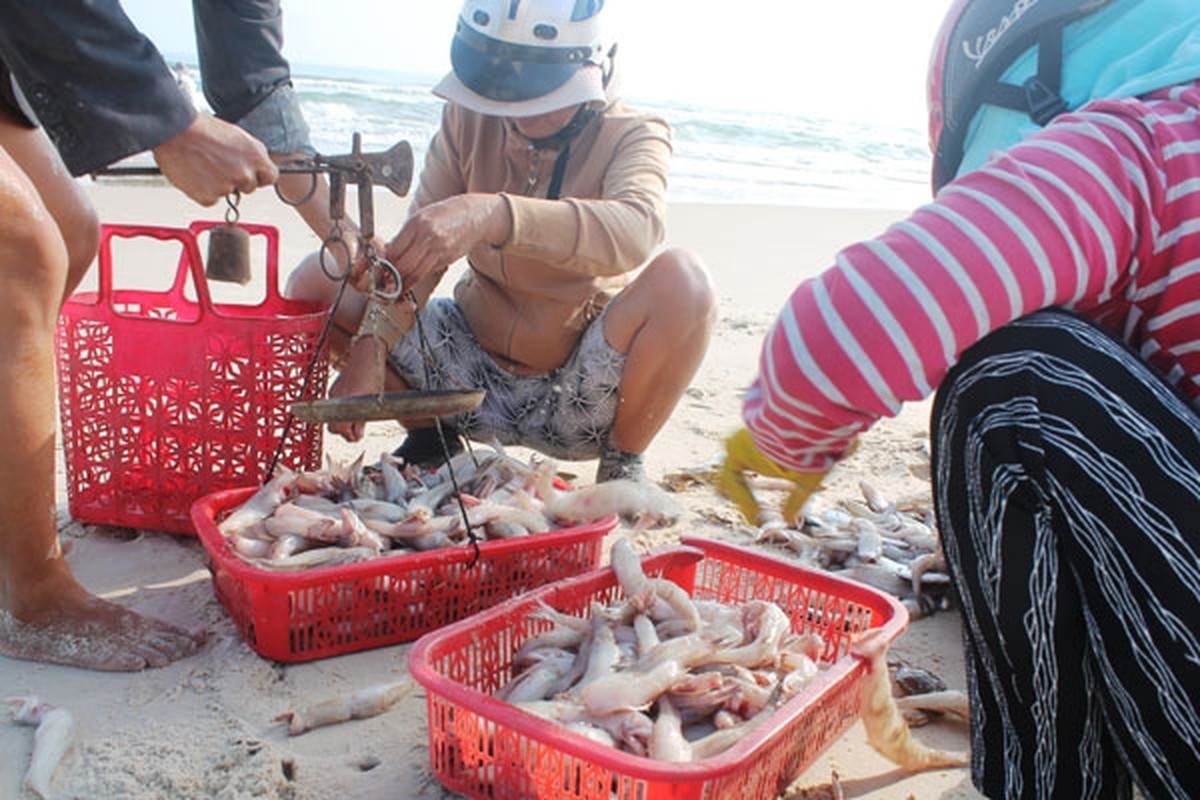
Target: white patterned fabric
pixel 566 413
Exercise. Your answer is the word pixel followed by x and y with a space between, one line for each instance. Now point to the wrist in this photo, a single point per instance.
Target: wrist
pixel 367 342
pixel 365 354
pixel 500 221
pixel 379 325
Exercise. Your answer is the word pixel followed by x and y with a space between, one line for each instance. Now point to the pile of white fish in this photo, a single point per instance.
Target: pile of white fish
pixel 893 548
pixel 350 513
pixel 660 674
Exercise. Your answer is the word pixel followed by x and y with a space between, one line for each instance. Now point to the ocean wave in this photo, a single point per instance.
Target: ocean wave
pixel 720 154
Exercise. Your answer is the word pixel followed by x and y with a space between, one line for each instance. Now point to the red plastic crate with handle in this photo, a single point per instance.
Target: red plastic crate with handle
pixel 482 747
pixel 394 598
pixel 165 396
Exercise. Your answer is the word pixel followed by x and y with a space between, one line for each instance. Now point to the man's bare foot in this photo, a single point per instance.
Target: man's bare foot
pixel 82 630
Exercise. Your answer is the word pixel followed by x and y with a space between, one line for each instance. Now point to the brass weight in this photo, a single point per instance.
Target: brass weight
pixel 229 247
pixel 228 254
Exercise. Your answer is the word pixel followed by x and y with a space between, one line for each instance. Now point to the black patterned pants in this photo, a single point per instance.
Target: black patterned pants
pixel 1067 490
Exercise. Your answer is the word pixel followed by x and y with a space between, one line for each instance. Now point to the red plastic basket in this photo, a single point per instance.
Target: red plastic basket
pixel 316 613
pixel 165 396
pixel 483 747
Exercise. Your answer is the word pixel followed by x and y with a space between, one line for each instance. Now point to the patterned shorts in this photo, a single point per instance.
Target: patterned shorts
pixel 565 414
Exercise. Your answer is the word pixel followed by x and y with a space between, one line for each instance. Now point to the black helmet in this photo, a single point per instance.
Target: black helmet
pixel 978 41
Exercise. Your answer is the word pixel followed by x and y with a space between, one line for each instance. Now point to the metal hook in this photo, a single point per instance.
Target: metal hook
pixel 231 211
pixel 392 278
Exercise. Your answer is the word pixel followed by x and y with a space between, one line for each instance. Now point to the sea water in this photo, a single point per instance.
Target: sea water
pixel 776 157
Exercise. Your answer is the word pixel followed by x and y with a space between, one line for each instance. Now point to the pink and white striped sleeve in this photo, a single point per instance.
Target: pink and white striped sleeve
pixel 1051 223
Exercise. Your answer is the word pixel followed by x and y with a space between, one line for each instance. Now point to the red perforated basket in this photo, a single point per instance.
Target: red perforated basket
pixel 483 747
pixel 328 611
pixel 165 396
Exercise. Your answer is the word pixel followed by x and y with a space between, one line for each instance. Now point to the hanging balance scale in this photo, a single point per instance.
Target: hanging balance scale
pixel 392 169
pixel 229 261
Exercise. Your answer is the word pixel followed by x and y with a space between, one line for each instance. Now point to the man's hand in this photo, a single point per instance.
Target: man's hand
pixel 210 159
pixel 742 456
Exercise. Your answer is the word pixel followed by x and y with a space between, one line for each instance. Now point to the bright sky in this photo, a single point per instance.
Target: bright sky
pixel 865 58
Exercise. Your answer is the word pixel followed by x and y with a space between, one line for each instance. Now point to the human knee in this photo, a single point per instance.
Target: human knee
pixel 309 283
pixel 1051 332
pixel 681 278
pixel 308 280
pixel 36 254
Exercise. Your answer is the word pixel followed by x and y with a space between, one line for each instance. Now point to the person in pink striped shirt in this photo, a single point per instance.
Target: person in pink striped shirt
pixel 1049 297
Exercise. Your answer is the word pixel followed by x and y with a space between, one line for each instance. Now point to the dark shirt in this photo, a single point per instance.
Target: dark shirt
pixel 240 45
pixel 101 89
pixel 98 86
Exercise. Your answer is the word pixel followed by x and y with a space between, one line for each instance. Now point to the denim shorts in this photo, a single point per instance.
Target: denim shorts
pixel 566 413
pixel 278 123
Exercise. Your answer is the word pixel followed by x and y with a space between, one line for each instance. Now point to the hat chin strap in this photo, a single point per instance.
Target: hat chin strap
pixel 562 138
pixel 1039 96
pixel 583 115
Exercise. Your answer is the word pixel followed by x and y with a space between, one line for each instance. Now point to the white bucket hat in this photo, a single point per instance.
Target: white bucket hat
pixel 523 58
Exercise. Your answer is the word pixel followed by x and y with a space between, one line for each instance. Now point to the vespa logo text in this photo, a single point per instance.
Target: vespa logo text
pixel 984 44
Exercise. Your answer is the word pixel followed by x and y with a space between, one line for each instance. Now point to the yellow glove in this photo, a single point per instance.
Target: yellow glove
pixel 742 455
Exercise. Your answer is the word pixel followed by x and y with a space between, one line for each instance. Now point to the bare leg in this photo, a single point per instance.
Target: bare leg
pixel 662 322
pixel 358 369
pixel 62 197
pixel 309 282
pixel 45 614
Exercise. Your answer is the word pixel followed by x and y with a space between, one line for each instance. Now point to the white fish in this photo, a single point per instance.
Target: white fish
pixel 672 602
pixel 870 542
pixel 316 557
pixel 362 704
pixel 51 739
pixel 626 727
pixel 531 520
pixel 603 655
pixel 887 731
pixel 380 510
pixel 261 504
pixel 250 547
pixel 628 499
pixel 627 567
pixel 395 487
pixel 875 500
pixel 667 742
pixel 630 689
pixel 647 636
pixel 722 739
pixel 947 701
pixel 770 625
pixel 292 519
pixel 535 682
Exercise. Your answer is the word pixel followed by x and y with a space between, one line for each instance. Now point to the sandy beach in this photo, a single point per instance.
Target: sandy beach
pixel 203 727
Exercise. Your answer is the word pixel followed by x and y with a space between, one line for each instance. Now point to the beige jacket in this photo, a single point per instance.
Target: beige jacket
pixel 529 300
